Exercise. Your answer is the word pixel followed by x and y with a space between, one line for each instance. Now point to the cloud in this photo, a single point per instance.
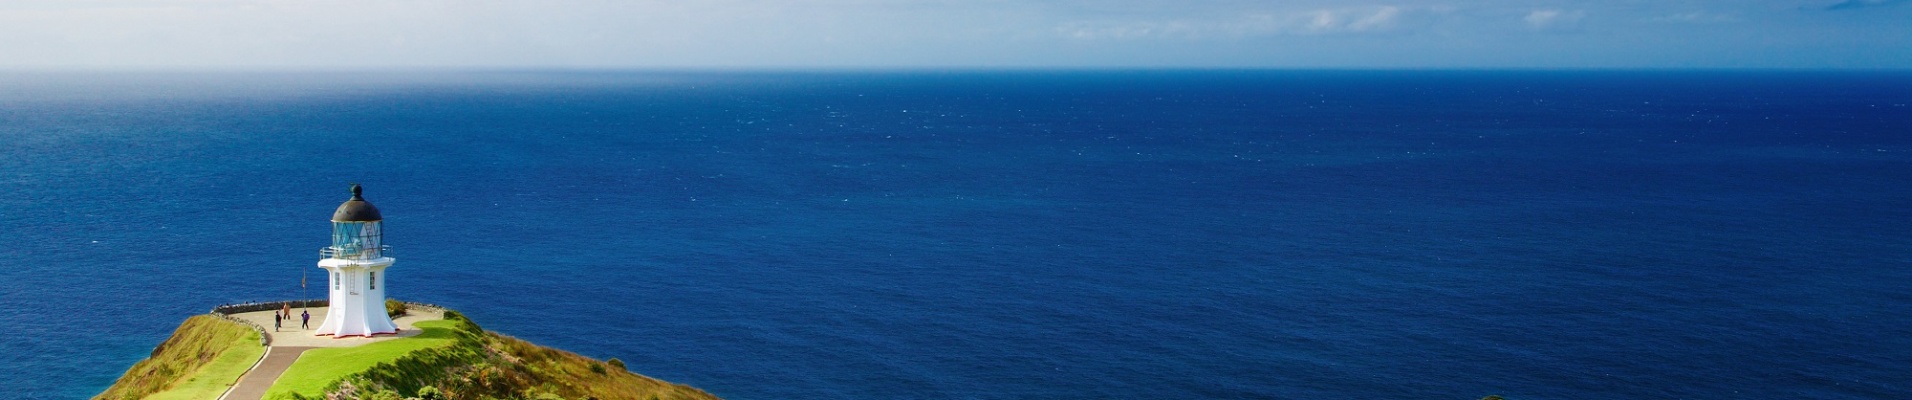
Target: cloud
pixel 1858 4
pixel 1694 18
pixel 1543 19
pixel 1381 19
pixel 1351 20
pixel 939 33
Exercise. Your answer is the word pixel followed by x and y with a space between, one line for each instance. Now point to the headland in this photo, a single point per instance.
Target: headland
pixel 238 352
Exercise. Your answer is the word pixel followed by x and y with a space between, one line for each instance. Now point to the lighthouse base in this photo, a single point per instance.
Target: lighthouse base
pixel 357 297
pixel 356 316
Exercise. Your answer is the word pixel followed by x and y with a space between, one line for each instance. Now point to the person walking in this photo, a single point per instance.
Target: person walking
pixel 304 319
pixel 276 321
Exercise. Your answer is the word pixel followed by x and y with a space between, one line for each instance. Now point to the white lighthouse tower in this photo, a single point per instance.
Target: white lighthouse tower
pixel 356 262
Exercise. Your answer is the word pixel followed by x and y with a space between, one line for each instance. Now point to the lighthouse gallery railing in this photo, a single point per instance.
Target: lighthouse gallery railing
pixel 355 253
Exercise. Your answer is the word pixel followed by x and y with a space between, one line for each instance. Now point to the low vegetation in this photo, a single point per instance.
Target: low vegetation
pixel 449 359
pixel 204 356
pixel 484 365
pixel 394 308
pixel 318 369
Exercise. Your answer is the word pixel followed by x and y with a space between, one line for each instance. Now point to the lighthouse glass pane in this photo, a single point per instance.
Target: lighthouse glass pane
pixel 356 239
pixel 342 233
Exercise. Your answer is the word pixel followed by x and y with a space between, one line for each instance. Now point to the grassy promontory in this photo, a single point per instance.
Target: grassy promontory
pixel 450 359
pixel 202 358
pixel 485 365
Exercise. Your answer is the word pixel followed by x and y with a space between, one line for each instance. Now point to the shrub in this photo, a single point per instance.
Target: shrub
pixel 430 393
pixel 394 308
pixel 597 368
pixel 617 363
pixel 383 395
pixel 464 324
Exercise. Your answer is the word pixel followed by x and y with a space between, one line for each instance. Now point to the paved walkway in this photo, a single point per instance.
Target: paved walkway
pixel 290 341
pixel 291 335
pixel 253 386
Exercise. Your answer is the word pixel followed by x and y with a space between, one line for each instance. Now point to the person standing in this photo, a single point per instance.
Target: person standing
pixel 304 318
pixel 276 322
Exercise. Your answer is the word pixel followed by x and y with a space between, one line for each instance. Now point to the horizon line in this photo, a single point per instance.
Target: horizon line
pixel 879 69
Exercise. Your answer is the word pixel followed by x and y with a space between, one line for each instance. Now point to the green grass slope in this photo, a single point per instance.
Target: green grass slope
pixel 450 359
pixel 318 369
pixel 204 356
pixel 482 365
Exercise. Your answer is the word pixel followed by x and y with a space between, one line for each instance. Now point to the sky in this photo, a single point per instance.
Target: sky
pixel 374 34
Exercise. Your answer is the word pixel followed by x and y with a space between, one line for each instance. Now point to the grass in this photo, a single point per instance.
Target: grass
pixel 319 368
pixel 573 376
pixel 484 365
pixel 207 355
pixel 213 379
pixel 204 356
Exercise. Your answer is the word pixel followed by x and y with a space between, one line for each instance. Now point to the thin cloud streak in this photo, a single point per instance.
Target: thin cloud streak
pixel 1542 19
pixel 949 33
pixel 1306 22
pixel 1858 4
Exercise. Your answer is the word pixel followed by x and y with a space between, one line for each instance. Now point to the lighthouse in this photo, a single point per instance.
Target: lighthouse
pixel 355 263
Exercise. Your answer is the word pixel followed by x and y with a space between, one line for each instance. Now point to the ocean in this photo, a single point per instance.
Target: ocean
pixel 1002 234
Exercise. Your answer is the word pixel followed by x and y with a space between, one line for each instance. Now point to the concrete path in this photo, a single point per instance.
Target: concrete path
pixel 290 341
pixel 290 334
pixel 254 384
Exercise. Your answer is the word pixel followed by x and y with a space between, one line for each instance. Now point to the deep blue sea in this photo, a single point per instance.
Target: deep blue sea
pixel 1006 234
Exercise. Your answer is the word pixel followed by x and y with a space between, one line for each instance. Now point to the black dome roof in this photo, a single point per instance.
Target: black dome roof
pixel 356 209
